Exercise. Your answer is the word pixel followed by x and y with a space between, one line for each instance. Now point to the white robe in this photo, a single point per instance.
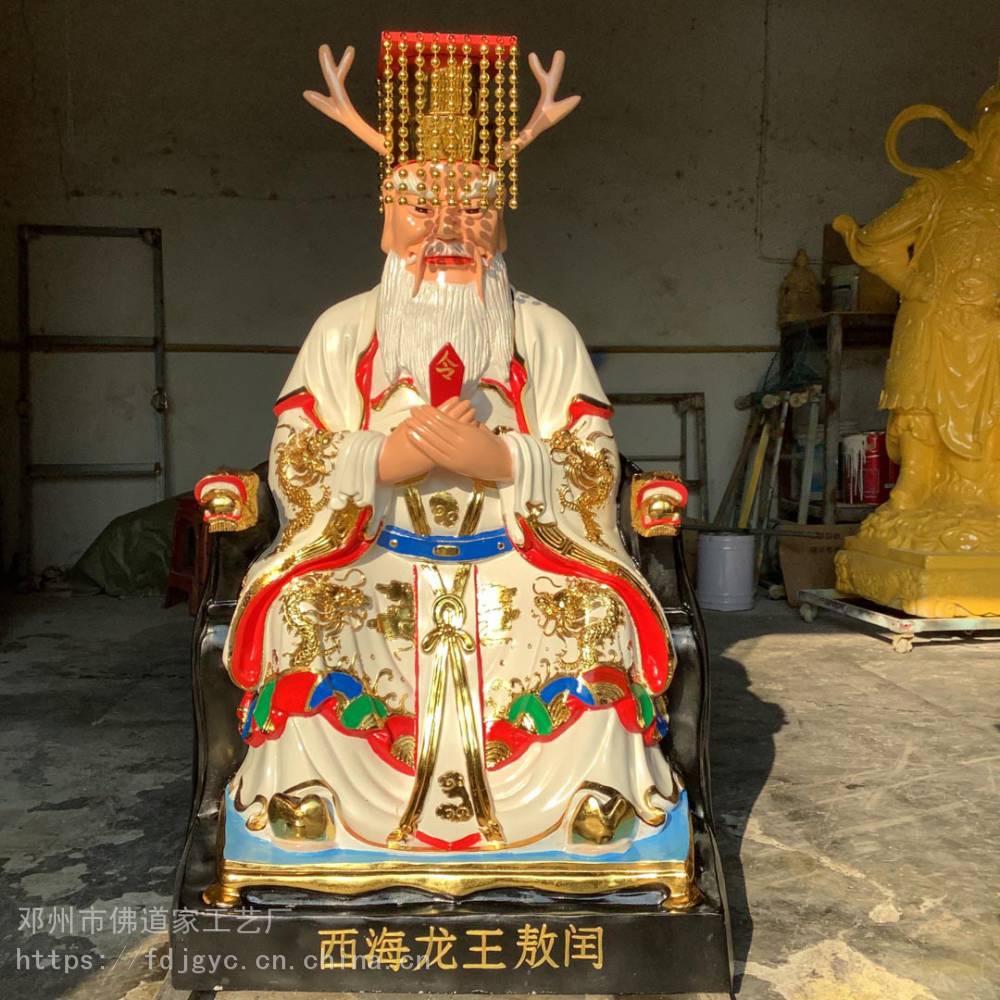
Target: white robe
pixel 528 627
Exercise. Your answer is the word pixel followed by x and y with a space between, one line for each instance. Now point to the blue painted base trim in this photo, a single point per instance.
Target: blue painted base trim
pixel 671 843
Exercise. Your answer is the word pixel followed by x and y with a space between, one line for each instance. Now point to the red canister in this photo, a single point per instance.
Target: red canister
pixel 866 472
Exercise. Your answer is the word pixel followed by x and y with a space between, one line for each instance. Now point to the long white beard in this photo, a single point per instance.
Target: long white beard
pixel 413 328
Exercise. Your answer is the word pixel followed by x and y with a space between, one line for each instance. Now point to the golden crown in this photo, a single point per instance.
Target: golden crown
pixel 448 98
pixel 453 98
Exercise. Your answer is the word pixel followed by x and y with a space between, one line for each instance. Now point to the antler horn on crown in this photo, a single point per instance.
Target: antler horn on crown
pixel 548 111
pixel 337 105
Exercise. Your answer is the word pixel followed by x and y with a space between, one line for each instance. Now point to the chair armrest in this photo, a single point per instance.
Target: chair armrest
pixel 658 502
pixel 228 499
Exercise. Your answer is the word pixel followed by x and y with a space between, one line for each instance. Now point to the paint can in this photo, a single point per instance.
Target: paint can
pixel 727 574
pixel 867 474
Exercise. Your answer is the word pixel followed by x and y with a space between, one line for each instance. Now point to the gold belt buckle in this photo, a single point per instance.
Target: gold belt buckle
pixel 442 550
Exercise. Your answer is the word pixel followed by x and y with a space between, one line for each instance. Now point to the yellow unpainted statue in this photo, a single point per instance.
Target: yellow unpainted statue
pixel 934 548
pixel 799 295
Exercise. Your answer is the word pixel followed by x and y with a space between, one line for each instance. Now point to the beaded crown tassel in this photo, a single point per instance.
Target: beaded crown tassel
pixel 451 100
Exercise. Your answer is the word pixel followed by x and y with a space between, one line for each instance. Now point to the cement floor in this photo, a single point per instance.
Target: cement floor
pixel 856 791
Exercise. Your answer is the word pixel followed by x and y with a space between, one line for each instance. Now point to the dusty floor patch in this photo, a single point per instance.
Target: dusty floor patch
pixel 884 913
pixel 55 885
pixel 833 970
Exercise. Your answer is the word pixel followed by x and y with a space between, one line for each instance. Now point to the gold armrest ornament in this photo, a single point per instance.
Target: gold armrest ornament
pixel 228 500
pixel 658 502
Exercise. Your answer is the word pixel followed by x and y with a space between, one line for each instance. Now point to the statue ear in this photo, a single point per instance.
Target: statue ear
pixel 501 234
pixel 386 242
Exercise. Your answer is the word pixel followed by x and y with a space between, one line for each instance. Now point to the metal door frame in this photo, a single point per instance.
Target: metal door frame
pixel 29 343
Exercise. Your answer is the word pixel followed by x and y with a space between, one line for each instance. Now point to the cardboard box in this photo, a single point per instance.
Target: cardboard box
pixel 807 562
pixel 873 294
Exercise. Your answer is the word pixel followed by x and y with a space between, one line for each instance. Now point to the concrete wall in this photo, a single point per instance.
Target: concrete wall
pixel 712 141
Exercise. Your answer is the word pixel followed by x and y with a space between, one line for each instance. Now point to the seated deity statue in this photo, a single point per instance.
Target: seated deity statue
pixel 447 655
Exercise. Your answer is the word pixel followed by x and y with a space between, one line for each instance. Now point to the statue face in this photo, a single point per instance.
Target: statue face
pixel 447 243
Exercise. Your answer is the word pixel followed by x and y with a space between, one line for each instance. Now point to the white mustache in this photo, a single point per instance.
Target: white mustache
pixel 439 248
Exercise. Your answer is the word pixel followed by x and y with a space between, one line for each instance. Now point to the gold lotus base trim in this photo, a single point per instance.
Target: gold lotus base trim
pixel 676 878
pixel 931 585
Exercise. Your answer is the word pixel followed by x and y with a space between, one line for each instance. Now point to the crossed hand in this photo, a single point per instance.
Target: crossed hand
pixel 449 437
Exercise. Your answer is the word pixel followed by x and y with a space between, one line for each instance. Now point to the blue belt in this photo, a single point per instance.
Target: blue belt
pixel 444 548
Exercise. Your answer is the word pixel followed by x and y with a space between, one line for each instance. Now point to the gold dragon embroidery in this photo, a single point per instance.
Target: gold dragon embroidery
pixel 301 463
pixel 316 610
pixel 587 613
pixel 589 469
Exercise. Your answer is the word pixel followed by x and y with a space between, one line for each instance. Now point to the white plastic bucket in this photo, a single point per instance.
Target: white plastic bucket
pixel 726 571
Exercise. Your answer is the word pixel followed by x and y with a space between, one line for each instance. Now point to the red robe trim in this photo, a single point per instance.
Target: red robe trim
pixel 363 379
pixel 584 406
pixel 208 482
pixel 513 390
pixel 300 399
pixel 248 641
pixel 291 699
pixel 462 844
pixel 654 651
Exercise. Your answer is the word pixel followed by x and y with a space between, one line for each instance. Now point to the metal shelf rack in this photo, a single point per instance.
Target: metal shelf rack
pixel 834 333
pixel 29 343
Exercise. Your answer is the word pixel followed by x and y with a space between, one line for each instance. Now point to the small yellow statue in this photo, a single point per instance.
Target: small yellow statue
pixel 934 548
pixel 799 294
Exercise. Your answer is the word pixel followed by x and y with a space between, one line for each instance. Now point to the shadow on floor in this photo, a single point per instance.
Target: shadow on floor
pixel 742 753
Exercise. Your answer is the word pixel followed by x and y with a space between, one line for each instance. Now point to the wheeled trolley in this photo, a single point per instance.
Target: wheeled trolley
pixel 900 626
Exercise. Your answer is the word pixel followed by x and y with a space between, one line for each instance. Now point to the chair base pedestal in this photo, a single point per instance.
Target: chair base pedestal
pixel 511 940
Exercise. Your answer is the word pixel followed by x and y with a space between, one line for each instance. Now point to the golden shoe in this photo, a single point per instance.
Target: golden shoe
pixel 294 818
pixel 599 822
